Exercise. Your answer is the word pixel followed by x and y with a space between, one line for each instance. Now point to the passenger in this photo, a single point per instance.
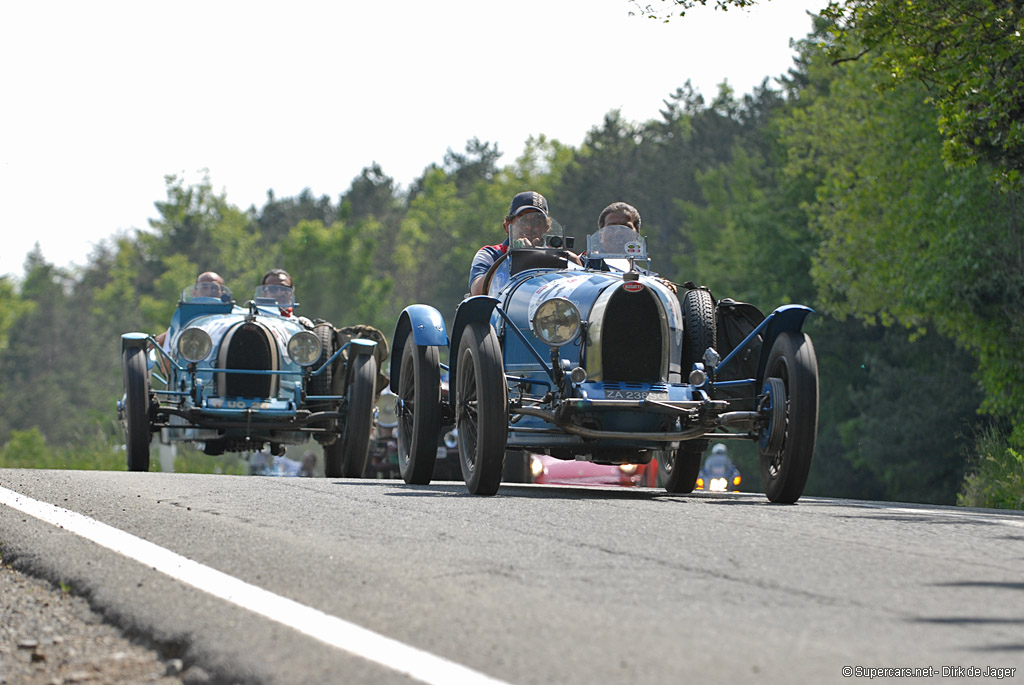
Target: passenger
pixel 615 214
pixel 523 205
pixel 621 214
pixel 280 277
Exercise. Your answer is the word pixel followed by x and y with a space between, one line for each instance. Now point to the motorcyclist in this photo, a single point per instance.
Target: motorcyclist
pixel 718 461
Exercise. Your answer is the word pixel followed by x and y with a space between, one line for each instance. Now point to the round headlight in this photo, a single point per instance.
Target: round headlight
pixel 194 344
pixel 304 348
pixel 556 322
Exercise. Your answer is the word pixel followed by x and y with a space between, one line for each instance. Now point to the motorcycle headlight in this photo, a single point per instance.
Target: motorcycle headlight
pixel 556 322
pixel 194 344
pixel 451 439
pixel 628 469
pixel 304 348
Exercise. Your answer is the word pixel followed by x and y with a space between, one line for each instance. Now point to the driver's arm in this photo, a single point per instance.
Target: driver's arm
pixel 483 260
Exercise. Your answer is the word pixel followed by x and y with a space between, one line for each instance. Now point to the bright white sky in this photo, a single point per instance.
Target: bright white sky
pixel 100 100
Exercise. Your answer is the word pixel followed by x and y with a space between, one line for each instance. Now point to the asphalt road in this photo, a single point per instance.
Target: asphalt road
pixel 538 584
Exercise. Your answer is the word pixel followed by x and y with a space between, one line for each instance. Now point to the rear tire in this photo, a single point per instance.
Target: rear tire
pixel 481 400
pixel 678 469
pixel 136 408
pixel 517 467
pixel 355 442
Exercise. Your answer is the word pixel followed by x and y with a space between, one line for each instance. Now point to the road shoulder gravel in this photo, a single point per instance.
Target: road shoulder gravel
pixel 49 636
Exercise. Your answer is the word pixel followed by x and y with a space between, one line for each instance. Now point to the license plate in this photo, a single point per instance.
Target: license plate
pixel 442 452
pixel 634 395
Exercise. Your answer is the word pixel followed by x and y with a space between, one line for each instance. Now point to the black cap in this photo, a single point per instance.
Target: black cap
pixel 528 200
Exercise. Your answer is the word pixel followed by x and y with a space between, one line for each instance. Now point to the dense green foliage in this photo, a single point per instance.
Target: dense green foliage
pixel 834 189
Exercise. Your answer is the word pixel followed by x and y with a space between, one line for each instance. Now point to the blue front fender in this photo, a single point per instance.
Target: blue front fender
pixel 427 328
pixel 133 340
pixel 475 309
pixel 788 317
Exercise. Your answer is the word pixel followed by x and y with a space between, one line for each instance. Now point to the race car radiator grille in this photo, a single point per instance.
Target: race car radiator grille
pixel 248 346
pixel 631 345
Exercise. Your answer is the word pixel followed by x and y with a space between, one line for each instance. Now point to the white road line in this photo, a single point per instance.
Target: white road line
pixel 994 518
pixel 328 629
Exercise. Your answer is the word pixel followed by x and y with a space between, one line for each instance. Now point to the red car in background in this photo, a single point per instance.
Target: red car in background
pixel 546 469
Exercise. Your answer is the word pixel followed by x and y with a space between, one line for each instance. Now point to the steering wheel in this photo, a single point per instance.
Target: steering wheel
pixel 491 271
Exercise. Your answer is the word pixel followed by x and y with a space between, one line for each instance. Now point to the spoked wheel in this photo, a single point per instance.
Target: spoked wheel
pixel 355 442
pixel 678 469
pixel 790 401
pixel 700 330
pixel 419 412
pixel 481 409
pixel 136 408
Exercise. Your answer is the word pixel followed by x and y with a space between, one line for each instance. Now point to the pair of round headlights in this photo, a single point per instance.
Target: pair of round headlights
pixel 195 344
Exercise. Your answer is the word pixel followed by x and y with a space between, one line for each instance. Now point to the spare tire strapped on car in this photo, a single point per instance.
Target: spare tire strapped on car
pixel 345 334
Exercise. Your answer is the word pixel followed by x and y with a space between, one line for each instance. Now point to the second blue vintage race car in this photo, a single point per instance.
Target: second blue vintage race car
pixel 248 378
pixel 601 361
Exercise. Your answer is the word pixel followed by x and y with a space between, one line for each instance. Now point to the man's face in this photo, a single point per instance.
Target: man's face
pixel 618 219
pixel 208 289
pixel 528 229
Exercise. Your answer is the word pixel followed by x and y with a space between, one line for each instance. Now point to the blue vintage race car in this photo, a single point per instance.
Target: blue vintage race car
pixel 245 378
pixel 602 361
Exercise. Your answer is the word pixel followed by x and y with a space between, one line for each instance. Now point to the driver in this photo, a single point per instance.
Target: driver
pixel 208 284
pixel 522 207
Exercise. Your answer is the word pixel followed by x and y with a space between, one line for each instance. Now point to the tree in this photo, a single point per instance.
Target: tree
pixel 334 274
pixel 969 56
pixel 372 194
pixel 277 217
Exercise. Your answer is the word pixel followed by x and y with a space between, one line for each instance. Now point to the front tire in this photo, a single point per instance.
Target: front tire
pixel 791 377
pixel 419 411
pixel 481 401
pixel 136 408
